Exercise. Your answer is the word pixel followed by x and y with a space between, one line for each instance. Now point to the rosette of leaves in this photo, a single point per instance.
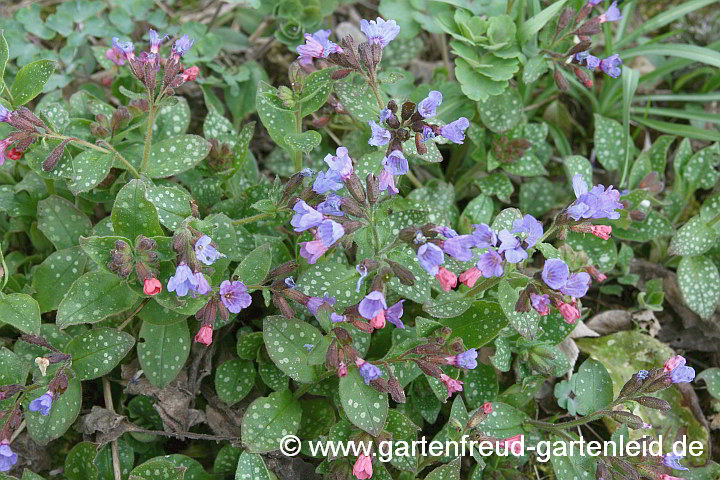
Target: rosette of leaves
pixel 487 52
pixel 295 18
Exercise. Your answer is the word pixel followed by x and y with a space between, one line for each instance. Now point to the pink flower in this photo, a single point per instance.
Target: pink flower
pixel 470 277
pixel 514 444
pixel 487 408
pixel 451 384
pixel 602 231
pixel 669 477
pixel 342 370
pixel 152 286
pixel 378 321
pixel 312 250
pixel 363 467
pixel 190 74
pixel 569 312
pixel 447 279
pixel 204 335
pixel 674 362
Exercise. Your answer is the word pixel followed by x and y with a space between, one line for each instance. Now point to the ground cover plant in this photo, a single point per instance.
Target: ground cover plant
pixel 229 224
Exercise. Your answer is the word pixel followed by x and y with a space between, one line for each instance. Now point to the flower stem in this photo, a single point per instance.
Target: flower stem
pixel 110 149
pixel 298 129
pixel 253 218
pixel 148 138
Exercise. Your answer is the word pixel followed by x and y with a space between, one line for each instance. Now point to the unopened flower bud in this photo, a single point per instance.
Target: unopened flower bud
pixel 626 418
pixel 355 188
pixel 579 47
pixel 637 215
pixel 282 305
pixel 654 403
pixel 332 359
pixel 340 73
pixel 408 108
pixel 366 56
pixel 342 335
pixel 381 385
pixel 296 295
pixel 591 27
pixel 373 188
pixel 560 80
pixel 284 269
pixel 564 19
pixel 396 391
pixel 59 384
pixel 420 144
pixel 52 159
pixel 403 274
pixel 429 368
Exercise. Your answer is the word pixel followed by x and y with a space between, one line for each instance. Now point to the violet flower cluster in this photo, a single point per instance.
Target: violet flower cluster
pixel 611 65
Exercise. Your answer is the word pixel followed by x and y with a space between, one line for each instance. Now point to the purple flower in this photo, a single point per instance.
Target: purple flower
pixel 612 14
pixel 327 181
pixel 682 374
pixel 594 2
pixel 459 247
pixel 290 282
pixel 511 246
pixel 316 302
pixel 234 295
pixel 42 404
pixel 430 257
pixel 4 113
pixel 673 461
pixel 427 133
pixel 3 146
pixel 491 264
pixel 308 347
pixel 380 135
pixel 396 164
pixel 183 281
pixel 362 270
pixel 532 227
pixel 591 61
pixel 484 236
pixel 307 172
pixel 313 250
pixel 155 41
pixel 555 273
pixel 127 48
pixel 337 318
pixel 611 66
pixel 541 303
pixel 331 205
pixel 317 45
pixel 330 232
pixel 466 359
pixel 182 46
pixel 428 106
pixel 394 313
pixel 455 131
pixel 577 286
pixel 446 232
pixel 642 374
pixel 305 217
pixel 8 458
pixel 379 31
pixel 368 371
pixel 203 286
pixel 385 113
pixel 340 163
pixel 387 182
pixel 205 252
pixel 372 305
pixel 596 203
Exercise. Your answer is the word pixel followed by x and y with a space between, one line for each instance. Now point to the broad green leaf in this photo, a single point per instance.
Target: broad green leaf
pixel 172 120
pixel 20 311
pixel 534 69
pixel 248 344
pixel 602 253
pixel 609 145
pixel 658 153
pixel 526 323
pixel 316 89
pixel 4 55
pixel 163 350
pixel 693 238
pixel 61 222
pixel 218 127
pixel 276 117
pixel 104 461
pixel 527 166
pixel 447 305
pixel 317 418
pixel 481 385
pixel 592 387
pixel 479 325
pixel 711 376
pixel 94 297
pixel 654 226
pixel 272 376
pixel 402 429
pixel 89 169
pixel 575 164
pixel 98 248
pixel 364 406
pixel 534 24
pixel 503 355
pixel 358 100
pixel 496 184
pixel 14 371
pixel 255 266
pixel 96 352
pixel 157 469
pixel 172 204
pixel 268 419
pixel 65 409
pixel 176 155
pixel 451 471
pixel 418 292
pixel 226 459
pixel 303 142
pixel 234 379
pixel 700 171
pixel 30 81
pixel 640 169
pixel 79 462
pixel 479 210
pixel 569 466
pixel 506 218
pixel 537 196
pixel 500 113
pixel 133 214
pixel 475 85
pixel 699 283
pixel 251 466
pixel 504 421
pixel 285 340
pixel 335 279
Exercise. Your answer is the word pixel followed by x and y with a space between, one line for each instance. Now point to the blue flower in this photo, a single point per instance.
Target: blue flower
pixel 612 14
pixel 379 136
pixel 642 374
pixel 155 40
pixel 290 282
pixel 577 285
pixel 234 296
pixel 308 347
pixel 330 232
pixel 42 404
pixel 8 458
pixel 682 374
pixel 315 302
pixel 455 131
pixel 4 113
pixel 396 163
pixel 373 304
pixel 428 106
pixel 202 286
pixel 430 257
pixel 596 203
pixel 182 45
pixel 511 246
pixel 531 226
pixel 336 318
pixel 446 232
pixel 484 236
pixel 611 66
pixel 592 62
pixel 327 181
pixel 459 247
pixel 205 252
pixel 466 359
pixel 126 48
pixel 491 264
pixel 305 217
pixel 555 273
pixel 362 270
pixel 673 461
pixel 331 205
pixel 380 31
pixel 385 114
pixel 340 163
pixel 183 281
pixel 394 313
pixel 368 371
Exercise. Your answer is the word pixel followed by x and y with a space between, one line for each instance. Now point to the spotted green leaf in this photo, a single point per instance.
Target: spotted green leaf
pixel 268 419
pixel 478 325
pixel 700 171
pixel 133 214
pixel 451 471
pixel 89 169
pixel 226 459
pixel 316 89
pixel 271 375
pixel 30 81
pixel 699 283
pixel 641 168
pixel 571 467
pixel 592 387
pixel 609 145
pixel 537 196
pixel 285 340
pixel 96 352
pixel 500 113
pixel 104 462
pixel 276 117
pixel 303 142
pixel 711 376
pixel 481 385
pixel 602 253
pixel 79 462
pixel 176 155
pixel 479 210
pixel 658 153
pixel 98 248
pixel 432 155
pixel 358 100
pixel 526 323
pixel 501 359
pixel 506 218
pixel 14 371
pixel 335 279
pixel 65 409
pixel 20 311
pixel 504 421
pixel 526 166
pixel 364 406
pixel 251 466
pixel 234 379
pixel 61 222
pixel 157 469
pixel 577 164
pixel 172 120
pixel 654 226
pixel 693 238
pixel 56 114
pixel 219 127
pixel 4 55
pixel 418 292
pixel 255 266
pixel 94 297
pixel 163 350
pixel 172 204
pixel 447 305
pixel 248 344
pixel 318 416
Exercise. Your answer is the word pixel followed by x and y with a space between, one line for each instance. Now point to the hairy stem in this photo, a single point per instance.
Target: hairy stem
pixel 148 138
pixel 298 129
pixel 253 218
